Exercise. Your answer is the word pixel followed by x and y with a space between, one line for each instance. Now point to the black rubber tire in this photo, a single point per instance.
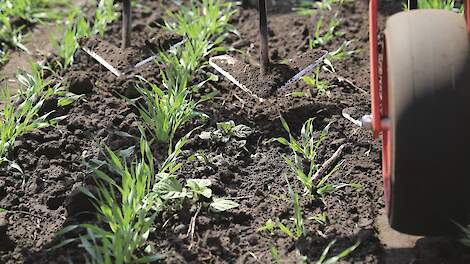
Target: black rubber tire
pixel 429 99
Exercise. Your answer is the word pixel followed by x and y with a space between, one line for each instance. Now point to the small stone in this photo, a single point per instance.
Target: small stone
pixel 180 229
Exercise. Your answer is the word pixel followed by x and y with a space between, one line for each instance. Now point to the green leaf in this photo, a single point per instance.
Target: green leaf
pixel 285 230
pixel 341 255
pixel 221 204
pixel 3 210
pixel 282 140
pixel 200 186
pixel 170 188
pixel 226 127
pixel 268 226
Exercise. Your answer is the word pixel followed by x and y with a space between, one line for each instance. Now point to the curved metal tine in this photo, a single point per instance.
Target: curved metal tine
pixel 304 71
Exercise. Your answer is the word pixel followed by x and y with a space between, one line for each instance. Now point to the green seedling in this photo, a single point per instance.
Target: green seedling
pixel 267 227
pixel 77 27
pixel 164 112
pixel 199 187
pixel 322 37
pixel 23 116
pixel 323 258
pixel 227 131
pixel 15 15
pixel 205 24
pixel 275 254
pixel 125 209
pixel 308 8
pixel 340 54
pixel 315 82
pixel 321 218
pixel 306 151
pixel 465 240
pixel 104 15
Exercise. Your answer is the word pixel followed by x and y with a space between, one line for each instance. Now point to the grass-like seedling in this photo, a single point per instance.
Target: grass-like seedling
pixel 104 14
pixel 164 112
pixel 123 209
pixel 324 260
pixel 308 8
pixel 205 24
pixel 77 27
pixel 315 82
pixel 305 149
pixel 16 15
pixel 321 36
pixel 22 115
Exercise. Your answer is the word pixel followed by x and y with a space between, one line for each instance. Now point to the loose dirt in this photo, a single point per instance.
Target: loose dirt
pixel 252 172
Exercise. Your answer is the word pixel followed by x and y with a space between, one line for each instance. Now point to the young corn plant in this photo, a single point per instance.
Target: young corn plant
pixel 305 151
pixel 315 82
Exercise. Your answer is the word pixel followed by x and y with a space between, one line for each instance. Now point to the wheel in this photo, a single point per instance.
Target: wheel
pixel 427 148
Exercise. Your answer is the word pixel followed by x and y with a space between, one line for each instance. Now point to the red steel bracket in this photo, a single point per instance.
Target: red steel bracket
pixel 374 66
pixel 467 14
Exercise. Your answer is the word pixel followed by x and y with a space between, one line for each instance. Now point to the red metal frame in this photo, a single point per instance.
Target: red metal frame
pixel 380 114
pixel 467 13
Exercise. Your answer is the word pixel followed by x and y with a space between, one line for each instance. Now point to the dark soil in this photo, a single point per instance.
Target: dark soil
pixel 46 198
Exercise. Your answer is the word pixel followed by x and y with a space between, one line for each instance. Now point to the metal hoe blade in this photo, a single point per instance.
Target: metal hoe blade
pixel 231 61
pixel 118 73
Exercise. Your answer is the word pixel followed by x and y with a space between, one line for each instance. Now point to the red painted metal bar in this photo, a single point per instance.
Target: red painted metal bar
pixel 467 14
pixel 374 66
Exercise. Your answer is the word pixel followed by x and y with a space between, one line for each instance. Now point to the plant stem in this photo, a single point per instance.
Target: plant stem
pixel 126 23
pixel 263 29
